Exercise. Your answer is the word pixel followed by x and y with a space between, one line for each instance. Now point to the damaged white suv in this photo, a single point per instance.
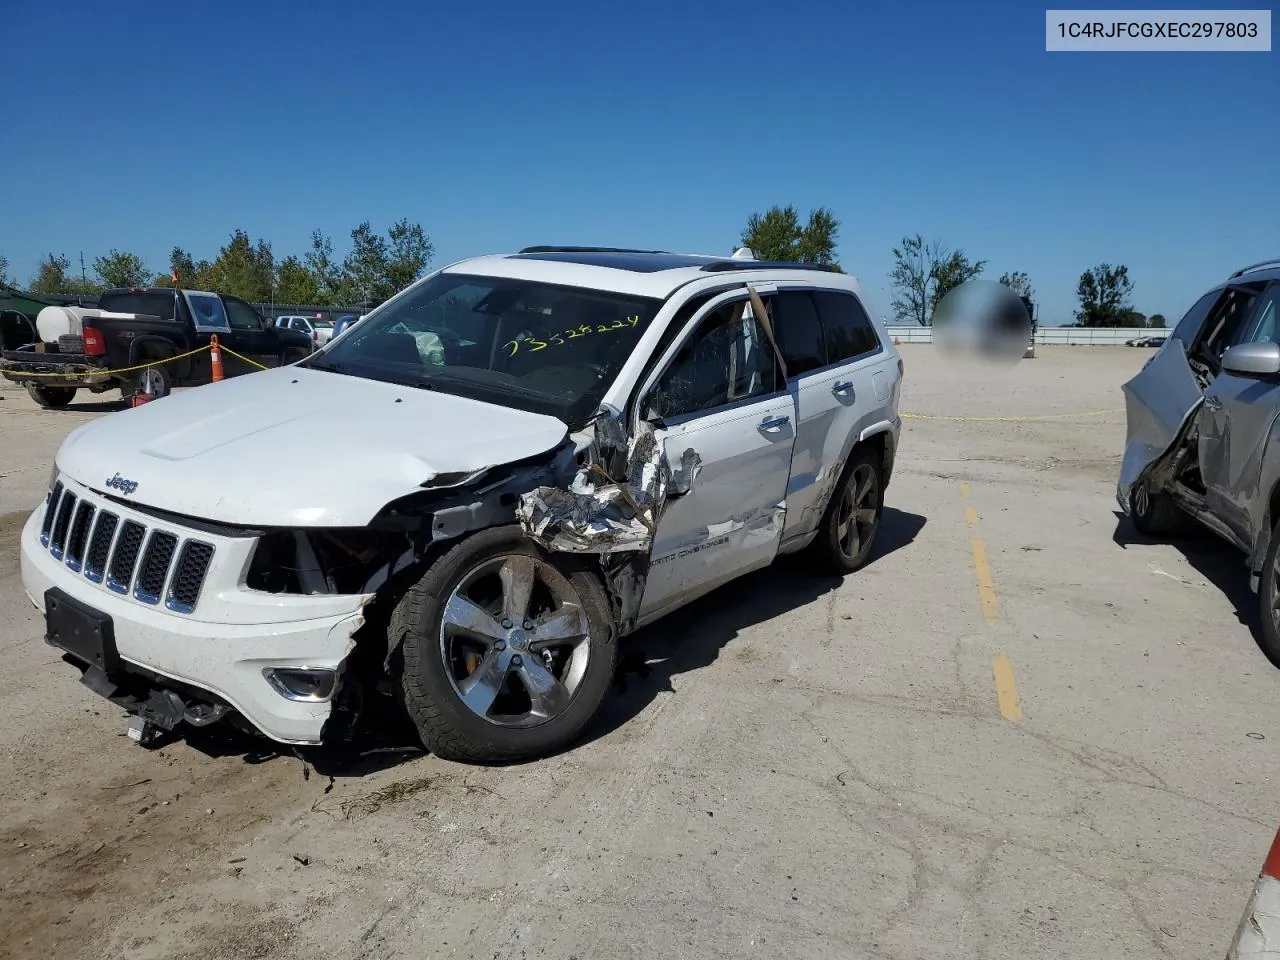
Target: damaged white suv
pixel 469 497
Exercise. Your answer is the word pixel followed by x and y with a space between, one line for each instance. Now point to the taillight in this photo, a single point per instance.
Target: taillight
pixel 95 345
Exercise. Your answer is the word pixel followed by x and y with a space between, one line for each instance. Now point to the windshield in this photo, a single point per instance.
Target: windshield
pixel 534 346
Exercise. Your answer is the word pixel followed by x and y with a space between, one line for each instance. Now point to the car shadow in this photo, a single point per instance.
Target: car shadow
pixel 687 640
pixel 92 406
pixel 1210 556
pixel 691 638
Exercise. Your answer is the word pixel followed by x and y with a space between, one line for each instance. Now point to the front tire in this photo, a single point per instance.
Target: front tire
pixel 1154 513
pixel 852 520
pixel 506 654
pixel 1269 600
pixel 51 398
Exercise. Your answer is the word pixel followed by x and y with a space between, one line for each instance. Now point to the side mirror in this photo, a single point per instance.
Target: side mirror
pixel 1252 359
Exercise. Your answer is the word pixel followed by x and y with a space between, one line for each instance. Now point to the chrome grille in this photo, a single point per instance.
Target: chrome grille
pixel 58 537
pixel 127 556
pixel 155 566
pixel 95 561
pixel 79 534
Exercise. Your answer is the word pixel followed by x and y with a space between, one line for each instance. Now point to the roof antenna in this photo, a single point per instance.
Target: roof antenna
pixel 744 253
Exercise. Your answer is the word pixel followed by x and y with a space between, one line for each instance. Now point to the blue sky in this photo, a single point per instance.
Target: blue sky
pixel 504 124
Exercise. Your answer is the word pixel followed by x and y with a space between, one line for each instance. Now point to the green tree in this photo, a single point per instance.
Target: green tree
pixel 1019 283
pixel 4 272
pixel 121 269
pixel 364 269
pixel 243 269
pixel 1157 321
pixel 923 273
pixel 779 235
pixel 319 260
pixel 1104 293
pixel 51 274
pixel 912 278
pixel 295 283
pixel 1132 318
pixel 952 271
pixel 409 252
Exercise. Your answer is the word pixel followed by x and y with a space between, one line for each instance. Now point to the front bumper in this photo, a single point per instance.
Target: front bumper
pixel 230 636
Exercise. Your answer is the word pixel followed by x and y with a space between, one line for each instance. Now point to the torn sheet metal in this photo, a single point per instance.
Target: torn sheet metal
pixel 1159 401
pixel 597 513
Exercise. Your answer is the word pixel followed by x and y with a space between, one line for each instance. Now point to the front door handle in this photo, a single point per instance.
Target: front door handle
pixel 774 423
pixel 1213 402
pixel 842 386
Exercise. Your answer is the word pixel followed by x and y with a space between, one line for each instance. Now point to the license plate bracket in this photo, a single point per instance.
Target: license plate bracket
pixel 85 633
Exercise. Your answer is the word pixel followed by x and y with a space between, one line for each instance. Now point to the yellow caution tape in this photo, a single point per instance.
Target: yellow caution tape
pixel 1051 416
pixel 253 363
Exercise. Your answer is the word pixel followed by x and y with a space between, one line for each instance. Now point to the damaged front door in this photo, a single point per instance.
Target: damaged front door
pixel 1239 410
pixel 721 395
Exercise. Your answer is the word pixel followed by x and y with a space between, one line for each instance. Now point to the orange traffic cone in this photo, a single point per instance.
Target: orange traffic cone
pixel 215 358
pixel 1259 929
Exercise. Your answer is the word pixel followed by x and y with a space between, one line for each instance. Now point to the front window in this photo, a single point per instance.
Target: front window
pixel 520 343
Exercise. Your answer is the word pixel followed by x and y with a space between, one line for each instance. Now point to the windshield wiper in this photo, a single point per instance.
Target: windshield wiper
pixel 329 366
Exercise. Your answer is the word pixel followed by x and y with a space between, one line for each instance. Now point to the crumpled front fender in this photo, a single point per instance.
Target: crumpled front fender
pixel 1159 403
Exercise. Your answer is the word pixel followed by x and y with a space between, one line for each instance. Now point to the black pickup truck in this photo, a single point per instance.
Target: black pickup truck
pixel 132 327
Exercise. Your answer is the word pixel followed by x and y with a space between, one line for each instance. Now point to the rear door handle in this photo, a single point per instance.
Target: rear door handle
pixel 1213 402
pixel 773 423
pixel 842 386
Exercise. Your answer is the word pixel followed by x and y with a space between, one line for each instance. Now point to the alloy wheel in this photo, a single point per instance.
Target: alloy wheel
pixel 515 641
pixel 859 508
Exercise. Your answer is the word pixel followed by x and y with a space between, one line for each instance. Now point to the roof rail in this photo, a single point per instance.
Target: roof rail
pixel 724 266
pixel 558 249
pixel 1273 262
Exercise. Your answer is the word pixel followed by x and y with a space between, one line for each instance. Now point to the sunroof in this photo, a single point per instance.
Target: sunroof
pixel 618 260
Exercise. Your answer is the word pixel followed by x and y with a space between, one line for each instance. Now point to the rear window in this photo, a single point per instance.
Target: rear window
pixel 152 304
pixel 848 329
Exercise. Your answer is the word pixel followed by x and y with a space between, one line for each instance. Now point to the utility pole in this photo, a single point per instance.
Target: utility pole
pixel 83 276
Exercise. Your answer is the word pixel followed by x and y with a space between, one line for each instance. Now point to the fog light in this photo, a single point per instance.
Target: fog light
pixel 302 683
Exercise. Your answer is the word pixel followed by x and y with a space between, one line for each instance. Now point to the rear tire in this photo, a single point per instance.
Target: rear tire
pixel 51 398
pixel 852 519
pixel 1154 513
pixel 479 691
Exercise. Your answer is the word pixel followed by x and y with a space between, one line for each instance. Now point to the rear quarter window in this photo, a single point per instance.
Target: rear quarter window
pixel 849 332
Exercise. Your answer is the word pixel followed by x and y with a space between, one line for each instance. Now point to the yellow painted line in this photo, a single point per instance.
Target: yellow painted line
pixel 1046 417
pixel 970 516
pixel 1006 688
pixel 986 588
pixel 964 489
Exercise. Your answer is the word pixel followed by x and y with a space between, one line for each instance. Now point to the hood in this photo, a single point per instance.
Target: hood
pixel 296 447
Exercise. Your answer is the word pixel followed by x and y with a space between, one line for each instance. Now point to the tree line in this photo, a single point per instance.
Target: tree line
pixel 377 266
pixel 374 268
pixel 925 271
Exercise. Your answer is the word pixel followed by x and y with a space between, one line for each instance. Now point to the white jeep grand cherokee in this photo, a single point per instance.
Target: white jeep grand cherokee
pixel 469 497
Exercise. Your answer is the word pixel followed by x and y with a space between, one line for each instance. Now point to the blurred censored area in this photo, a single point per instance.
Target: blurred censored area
pixel 982 318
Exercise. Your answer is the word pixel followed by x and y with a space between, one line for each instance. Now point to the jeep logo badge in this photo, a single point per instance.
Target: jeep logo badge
pixel 120 483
